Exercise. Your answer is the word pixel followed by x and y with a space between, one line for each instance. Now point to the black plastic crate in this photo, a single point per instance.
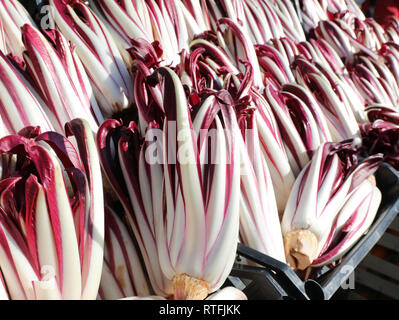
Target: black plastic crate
pixel 273 279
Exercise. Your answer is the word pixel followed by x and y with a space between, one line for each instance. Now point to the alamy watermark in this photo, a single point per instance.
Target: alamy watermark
pixel 348 273
pixel 47 17
pixel 214 146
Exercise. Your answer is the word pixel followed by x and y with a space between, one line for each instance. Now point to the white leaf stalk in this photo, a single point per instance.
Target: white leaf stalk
pixel 259 219
pixel 299 145
pixel 312 13
pixel 304 95
pixel 125 20
pixel 242 48
pixel 196 16
pixel 323 54
pixel 123 275
pixel 290 20
pixel 3 47
pixel 13 16
pixel 167 22
pixel 353 221
pixel 275 154
pixel 336 108
pixel 108 74
pixel 19 107
pixel 376 82
pixel 92 218
pixel 59 78
pixel 337 38
pixel 274 23
pixel 276 64
pixel 170 30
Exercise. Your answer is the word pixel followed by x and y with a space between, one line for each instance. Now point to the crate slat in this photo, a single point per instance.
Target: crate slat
pixel 381 266
pixel 376 283
pixel 389 241
pixel 237 282
pixel 395 224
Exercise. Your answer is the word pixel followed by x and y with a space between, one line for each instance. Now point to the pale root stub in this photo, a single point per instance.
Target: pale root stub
pixel 300 248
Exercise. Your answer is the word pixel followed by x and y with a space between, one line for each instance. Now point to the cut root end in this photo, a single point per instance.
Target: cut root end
pixel 189 288
pixel 300 248
pixel 372 180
